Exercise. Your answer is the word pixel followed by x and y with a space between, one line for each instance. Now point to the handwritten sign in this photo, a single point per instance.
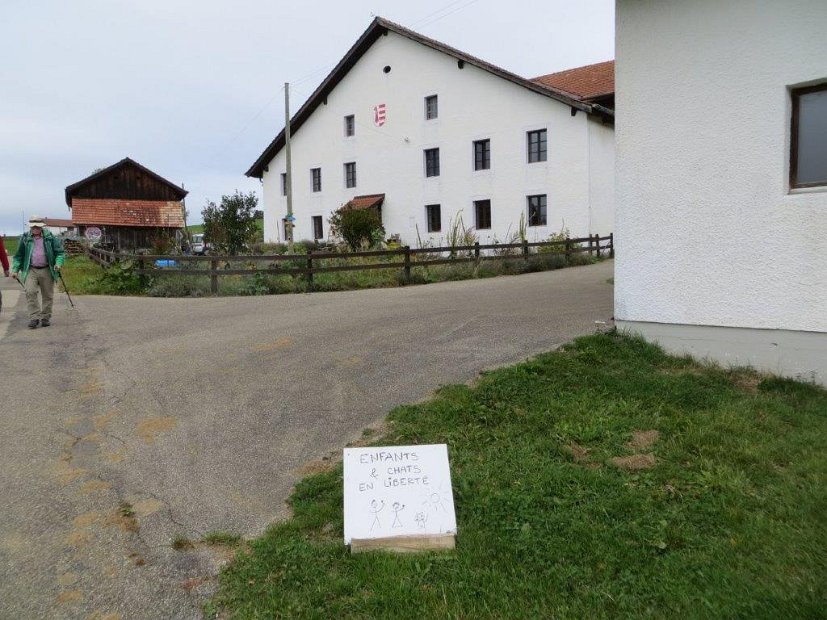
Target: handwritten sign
pixel 398 491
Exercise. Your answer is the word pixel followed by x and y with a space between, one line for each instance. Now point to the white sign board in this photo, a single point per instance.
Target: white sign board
pixel 398 491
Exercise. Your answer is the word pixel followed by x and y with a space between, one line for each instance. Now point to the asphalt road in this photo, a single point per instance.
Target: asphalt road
pixel 131 422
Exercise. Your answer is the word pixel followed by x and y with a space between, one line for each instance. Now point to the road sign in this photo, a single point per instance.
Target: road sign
pixel 93 233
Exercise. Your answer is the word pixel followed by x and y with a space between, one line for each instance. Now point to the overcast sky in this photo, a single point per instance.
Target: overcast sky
pixel 192 89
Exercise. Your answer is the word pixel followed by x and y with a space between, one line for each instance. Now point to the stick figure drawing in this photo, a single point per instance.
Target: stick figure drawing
pixel 375 508
pixel 397 508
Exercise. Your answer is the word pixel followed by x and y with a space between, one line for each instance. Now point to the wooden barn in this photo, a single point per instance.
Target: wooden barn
pixel 132 206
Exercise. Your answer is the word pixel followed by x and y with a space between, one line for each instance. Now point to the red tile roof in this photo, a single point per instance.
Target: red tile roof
pixel 53 221
pixel 109 212
pixel 366 202
pixel 583 82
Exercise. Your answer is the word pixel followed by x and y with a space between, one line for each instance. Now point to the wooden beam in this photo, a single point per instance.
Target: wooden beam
pixel 405 544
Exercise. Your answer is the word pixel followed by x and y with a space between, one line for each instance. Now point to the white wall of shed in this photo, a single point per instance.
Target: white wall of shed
pixel 707 229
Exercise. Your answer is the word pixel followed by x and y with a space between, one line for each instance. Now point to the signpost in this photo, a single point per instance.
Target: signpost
pixel 398 498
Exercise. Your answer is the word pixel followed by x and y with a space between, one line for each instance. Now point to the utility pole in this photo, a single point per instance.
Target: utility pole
pixel 290 217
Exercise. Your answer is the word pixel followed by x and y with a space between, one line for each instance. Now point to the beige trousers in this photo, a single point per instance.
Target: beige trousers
pixel 39 279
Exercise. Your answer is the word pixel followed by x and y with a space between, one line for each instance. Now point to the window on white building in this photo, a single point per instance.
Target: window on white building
pixel 537 210
pixel 431 108
pixel 431 162
pixel 283 183
pixel 350 125
pixel 350 174
pixel 482 154
pixel 808 142
pixel 318 230
pixel 316 179
pixel 536 146
pixel 482 214
pixel 433 213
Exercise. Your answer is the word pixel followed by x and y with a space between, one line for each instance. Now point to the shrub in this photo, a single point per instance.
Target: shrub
pixel 231 226
pixel 179 286
pixel 358 227
pixel 121 279
pixel 268 248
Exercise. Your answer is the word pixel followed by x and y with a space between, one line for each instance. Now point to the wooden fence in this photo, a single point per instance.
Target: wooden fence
pixel 314 262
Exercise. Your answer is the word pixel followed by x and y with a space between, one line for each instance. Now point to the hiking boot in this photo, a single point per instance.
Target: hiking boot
pixel 33 323
pixel 45 323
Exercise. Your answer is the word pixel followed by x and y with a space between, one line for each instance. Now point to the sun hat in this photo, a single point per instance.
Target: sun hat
pixel 36 220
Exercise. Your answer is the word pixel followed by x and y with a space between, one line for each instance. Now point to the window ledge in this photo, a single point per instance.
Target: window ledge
pixel 819 189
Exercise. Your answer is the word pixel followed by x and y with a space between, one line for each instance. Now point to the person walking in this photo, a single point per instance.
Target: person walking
pixel 36 264
pixel 4 260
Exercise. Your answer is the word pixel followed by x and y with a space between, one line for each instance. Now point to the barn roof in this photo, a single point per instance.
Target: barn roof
pixel 126 161
pixel 57 222
pixel 381 26
pixel 131 213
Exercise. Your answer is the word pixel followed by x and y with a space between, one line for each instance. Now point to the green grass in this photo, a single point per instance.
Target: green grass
pixel 10 243
pixel 729 523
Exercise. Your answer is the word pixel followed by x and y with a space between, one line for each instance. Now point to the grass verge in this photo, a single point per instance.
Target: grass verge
pixel 723 519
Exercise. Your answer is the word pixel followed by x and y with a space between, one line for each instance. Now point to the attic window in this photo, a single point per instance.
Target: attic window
pixel 808 139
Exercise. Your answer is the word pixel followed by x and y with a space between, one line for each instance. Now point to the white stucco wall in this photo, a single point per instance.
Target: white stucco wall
pixel 601 176
pixel 473 105
pixel 707 230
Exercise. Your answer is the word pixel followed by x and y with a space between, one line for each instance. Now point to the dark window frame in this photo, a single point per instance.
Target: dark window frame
pixel 480 222
pixel 431 107
pixel 318 227
pixel 482 154
pixel 316 179
pixel 537 150
pixel 431 162
pixel 542 209
pixel 795 94
pixel 283 183
pixel 350 174
pixel 350 125
pixel 434 223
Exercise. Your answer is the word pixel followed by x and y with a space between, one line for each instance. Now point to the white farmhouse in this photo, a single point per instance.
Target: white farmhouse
pixel 721 227
pixel 428 134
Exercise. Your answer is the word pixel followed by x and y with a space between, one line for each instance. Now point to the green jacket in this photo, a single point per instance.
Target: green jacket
pixel 23 257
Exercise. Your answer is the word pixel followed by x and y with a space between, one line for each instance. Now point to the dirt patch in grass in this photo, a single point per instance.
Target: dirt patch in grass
pixel 578 452
pixel 315 467
pixel 748 382
pixel 641 440
pixel 634 462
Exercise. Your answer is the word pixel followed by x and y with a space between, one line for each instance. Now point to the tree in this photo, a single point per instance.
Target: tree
pixel 232 225
pixel 356 226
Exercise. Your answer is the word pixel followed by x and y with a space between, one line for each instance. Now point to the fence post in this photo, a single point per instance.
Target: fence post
pixel 214 276
pixel 591 249
pixel 310 270
pixel 407 249
pixel 525 249
pixel 568 249
pixel 477 250
pixel 611 245
pixel 597 244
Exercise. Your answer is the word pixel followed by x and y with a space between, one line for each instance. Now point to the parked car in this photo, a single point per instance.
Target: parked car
pixel 199 246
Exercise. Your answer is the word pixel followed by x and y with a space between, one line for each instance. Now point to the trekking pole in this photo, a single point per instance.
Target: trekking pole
pixel 20 283
pixel 65 290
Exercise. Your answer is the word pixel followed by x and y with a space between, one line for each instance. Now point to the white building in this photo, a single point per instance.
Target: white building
pixel 429 134
pixel 721 227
